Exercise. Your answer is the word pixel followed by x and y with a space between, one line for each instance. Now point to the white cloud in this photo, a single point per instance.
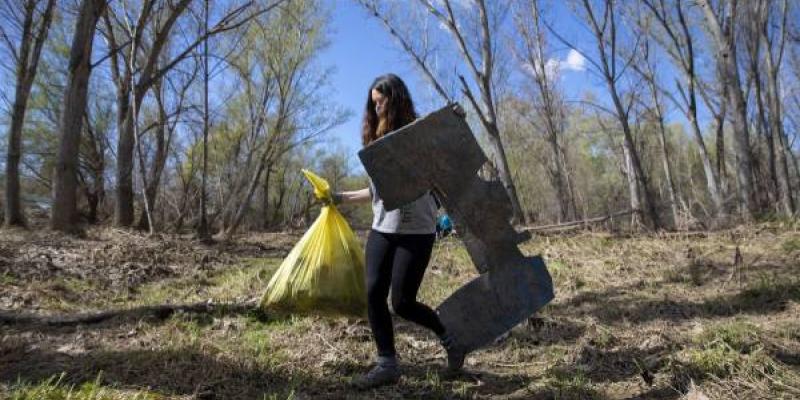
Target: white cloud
pixel 575 61
pixel 553 66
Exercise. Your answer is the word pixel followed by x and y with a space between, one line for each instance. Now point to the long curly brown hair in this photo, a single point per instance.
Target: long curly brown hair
pixel 399 110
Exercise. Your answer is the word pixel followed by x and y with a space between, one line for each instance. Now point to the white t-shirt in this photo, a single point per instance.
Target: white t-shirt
pixel 416 217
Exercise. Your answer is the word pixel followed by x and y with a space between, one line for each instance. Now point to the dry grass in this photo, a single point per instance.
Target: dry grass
pixel 657 317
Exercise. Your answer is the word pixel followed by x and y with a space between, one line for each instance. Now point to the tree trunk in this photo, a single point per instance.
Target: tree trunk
pixel 504 174
pixel 766 188
pixel 729 72
pixel 95 192
pixel 722 170
pixel 604 30
pixel 671 190
pixel 633 161
pixel 159 161
pixel 203 231
pixel 682 54
pixel 245 202
pixel 633 188
pixel 278 205
pixel 741 141
pixel 785 199
pixel 265 217
pixel 27 64
pixel 14 215
pixel 124 210
pixel 558 181
pixel 711 180
pixel 777 148
pixel 64 213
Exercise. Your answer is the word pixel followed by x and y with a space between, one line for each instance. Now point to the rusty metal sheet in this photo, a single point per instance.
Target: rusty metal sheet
pixel 440 153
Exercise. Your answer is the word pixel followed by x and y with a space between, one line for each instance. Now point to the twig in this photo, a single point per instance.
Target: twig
pixel 581 222
pixel 335 349
pixel 161 311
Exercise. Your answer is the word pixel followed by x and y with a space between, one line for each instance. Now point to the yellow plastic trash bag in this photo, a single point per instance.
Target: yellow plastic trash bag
pixel 324 272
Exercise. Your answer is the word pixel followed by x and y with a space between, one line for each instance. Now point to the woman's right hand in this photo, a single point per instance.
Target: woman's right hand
pixel 458 110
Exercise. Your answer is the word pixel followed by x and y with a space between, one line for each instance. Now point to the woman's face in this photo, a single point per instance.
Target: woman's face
pixel 380 102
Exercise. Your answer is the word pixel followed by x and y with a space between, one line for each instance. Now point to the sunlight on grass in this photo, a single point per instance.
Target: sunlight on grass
pixel 55 389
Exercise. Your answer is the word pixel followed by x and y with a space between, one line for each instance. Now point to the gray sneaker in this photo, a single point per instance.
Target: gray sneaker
pixel 378 376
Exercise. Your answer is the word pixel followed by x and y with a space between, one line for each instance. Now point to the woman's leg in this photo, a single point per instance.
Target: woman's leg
pixel 379 255
pixel 410 261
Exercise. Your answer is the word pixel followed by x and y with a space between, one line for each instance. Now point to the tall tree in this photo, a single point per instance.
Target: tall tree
pixel 36 18
pixel 164 128
pixel 655 107
pixel 282 97
pixel 603 19
pixel 720 22
pixel 765 182
pixel 203 231
pixel 776 14
pixel 64 212
pixel 677 38
pixel 550 107
pixel 132 88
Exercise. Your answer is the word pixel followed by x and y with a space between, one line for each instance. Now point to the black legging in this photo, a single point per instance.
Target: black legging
pixel 399 261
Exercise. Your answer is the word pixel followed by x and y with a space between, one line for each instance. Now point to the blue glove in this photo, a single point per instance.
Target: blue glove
pixel 444 226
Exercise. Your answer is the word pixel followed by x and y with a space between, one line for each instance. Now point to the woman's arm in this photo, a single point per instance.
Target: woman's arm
pixel 354 196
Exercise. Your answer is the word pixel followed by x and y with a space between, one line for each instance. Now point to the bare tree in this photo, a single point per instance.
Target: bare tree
pixel 203 231
pixel 765 183
pixel 64 213
pixel 774 41
pixel 550 107
pixel 720 23
pixel 91 174
pixel 478 52
pixel 164 128
pixel 132 89
pixel 283 86
pixel 715 97
pixel 655 107
pixel 26 56
pixel 677 39
pixel 602 18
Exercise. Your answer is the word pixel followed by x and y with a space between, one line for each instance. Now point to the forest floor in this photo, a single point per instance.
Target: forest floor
pixel 659 316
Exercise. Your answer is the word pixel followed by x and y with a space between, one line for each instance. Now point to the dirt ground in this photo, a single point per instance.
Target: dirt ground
pixel 659 316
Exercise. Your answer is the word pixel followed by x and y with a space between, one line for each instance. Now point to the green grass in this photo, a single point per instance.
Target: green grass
pixel 791 245
pixel 450 267
pixel 247 280
pixel 732 351
pixel 562 385
pixel 70 294
pixel 55 389
pixel 749 338
pixel 740 336
pixel 8 279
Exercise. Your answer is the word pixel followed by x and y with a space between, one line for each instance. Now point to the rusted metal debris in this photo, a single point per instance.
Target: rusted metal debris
pixel 440 153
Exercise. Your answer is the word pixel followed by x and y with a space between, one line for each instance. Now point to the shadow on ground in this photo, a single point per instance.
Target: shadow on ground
pixel 612 307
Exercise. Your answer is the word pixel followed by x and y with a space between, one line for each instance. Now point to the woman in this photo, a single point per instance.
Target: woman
pixel 399 244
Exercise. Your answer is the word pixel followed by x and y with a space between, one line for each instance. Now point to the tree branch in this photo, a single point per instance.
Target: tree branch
pixel 372 8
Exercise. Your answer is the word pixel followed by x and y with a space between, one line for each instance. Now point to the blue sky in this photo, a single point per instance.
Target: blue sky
pixel 361 49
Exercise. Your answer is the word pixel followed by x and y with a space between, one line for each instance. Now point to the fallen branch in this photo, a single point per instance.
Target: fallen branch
pixel 161 311
pixel 573 224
